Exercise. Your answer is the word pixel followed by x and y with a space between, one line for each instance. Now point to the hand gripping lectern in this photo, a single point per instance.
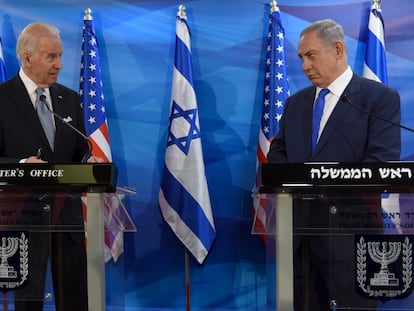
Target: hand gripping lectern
pixel 45 205
pixel 338 236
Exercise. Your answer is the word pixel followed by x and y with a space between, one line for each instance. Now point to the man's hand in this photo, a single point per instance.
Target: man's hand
pixel 95 159
pixel 34 159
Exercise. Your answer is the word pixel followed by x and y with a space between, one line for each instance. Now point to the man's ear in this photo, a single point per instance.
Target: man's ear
pixel 339 47
pixel 26 59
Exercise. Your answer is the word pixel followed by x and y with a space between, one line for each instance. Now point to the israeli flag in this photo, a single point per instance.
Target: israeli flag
pixel 184 197
pixel 375 65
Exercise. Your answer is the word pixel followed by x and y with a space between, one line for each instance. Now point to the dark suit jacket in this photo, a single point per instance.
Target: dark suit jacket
pixel 349 135
pixel 21 133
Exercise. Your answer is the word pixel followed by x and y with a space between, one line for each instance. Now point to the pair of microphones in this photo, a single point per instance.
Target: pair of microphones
pixel 89 152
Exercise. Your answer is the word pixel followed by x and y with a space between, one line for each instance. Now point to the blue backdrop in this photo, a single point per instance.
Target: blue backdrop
pixel 136 44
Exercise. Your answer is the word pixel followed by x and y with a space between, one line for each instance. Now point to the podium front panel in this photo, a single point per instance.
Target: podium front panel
pixel 42 207
pixel 30 223
pixel 343 251
pixel 335 245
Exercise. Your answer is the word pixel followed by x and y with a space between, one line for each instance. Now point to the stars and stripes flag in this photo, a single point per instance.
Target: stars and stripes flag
pixel 184 197
pixel 2 64
pixel 92 103
pixel 276 91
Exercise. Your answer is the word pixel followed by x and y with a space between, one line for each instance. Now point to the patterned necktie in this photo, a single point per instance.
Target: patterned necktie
pixel 317 116
pixel 45 117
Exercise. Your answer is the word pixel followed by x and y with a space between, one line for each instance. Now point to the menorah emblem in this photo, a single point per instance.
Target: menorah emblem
pixel 384 257
pixel 8 248
pixel 394 254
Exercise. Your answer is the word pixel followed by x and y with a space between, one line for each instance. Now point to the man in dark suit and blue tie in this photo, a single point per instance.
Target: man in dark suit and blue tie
pixel 343 134
pixel 25 138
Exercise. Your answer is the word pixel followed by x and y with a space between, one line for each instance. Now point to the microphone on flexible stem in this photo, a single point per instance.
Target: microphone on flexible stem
pixel 345 99
pixel 89 152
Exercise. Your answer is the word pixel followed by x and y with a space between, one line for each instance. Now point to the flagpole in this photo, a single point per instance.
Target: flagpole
pixel 94 208
pixel 187 281
pixel 182 14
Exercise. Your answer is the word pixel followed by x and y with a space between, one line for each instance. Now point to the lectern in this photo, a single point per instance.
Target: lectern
pixel 31 205
pixel 340 232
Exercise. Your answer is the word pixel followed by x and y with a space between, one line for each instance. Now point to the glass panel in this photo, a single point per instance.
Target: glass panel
pixel 351 249
pixel 33 228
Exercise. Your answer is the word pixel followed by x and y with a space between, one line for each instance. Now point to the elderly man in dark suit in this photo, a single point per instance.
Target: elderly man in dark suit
pixel 345 134
pixel 25 139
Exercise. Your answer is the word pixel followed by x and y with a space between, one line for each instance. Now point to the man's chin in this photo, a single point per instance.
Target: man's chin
pixel 53 80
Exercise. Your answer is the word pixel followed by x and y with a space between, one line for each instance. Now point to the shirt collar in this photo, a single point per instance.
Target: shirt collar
pixel 29 84
pixel 338 86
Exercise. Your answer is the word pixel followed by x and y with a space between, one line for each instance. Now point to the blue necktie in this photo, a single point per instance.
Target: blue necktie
pixel 45 117
pixel 317 116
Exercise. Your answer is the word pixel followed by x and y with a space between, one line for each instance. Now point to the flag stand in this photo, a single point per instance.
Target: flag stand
pixel 187 281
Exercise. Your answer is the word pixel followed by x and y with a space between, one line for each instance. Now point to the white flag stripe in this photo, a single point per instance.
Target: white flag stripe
pixel 369 74
pixel 184 94
pixel 264 143
pixel 183 34
pixel 376 27
pixel 102 142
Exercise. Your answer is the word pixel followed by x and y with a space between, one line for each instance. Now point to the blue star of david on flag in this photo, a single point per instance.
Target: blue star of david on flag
pixel 183 127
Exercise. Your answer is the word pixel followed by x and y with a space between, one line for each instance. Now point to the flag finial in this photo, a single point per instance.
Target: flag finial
pixel 181 11
pixel 273 6
pixel 376 5
pixel 88 15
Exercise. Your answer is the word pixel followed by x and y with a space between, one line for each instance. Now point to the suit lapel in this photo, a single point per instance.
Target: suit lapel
pixel 307 115
pixel 24 105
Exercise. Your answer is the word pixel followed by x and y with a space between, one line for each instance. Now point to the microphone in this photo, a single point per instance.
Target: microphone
pixel 89 152
pixel 345 99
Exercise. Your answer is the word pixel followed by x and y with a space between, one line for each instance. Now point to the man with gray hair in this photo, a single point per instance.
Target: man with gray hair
pixel 26 136
pixel 333 121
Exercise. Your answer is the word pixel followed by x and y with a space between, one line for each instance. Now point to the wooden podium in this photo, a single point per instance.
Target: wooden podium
pixel 363 211
pixel 32 183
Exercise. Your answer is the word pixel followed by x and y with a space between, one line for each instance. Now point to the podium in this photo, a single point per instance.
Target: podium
pixel 339 235
pixel 42 202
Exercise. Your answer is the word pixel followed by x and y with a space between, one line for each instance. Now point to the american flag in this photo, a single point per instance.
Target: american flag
pixel 276 90
pixel 92 103
pixel 2 64
pixel 184 198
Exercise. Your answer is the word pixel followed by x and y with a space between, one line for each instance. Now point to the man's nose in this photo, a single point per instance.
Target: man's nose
pixel 58 63
pixel 306 65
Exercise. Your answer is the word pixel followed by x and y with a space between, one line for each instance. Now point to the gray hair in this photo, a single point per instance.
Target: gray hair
pixel 327 30
pixel 29 37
